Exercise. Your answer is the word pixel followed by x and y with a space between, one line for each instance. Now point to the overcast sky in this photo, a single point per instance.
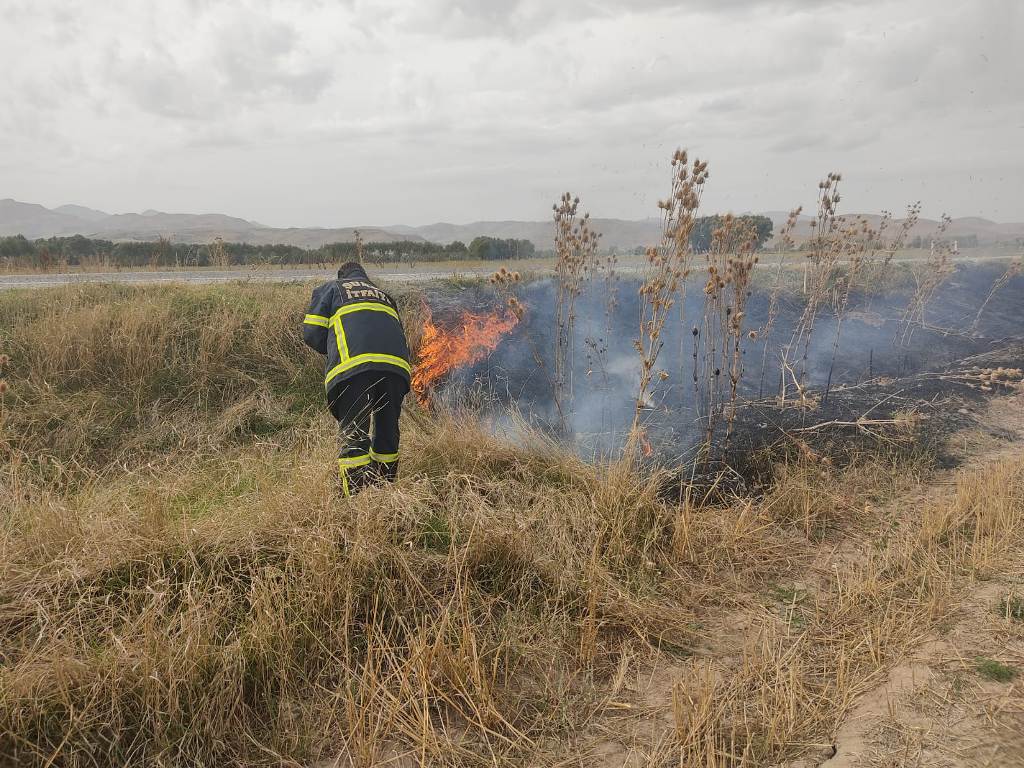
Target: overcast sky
pixel 350 112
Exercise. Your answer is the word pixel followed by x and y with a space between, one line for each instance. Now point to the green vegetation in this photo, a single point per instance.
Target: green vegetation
pixel 703 227
pixel 993 670
pixel 497 249
pixel 1012 607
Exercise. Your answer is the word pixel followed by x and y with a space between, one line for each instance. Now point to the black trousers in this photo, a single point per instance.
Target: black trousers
pixel 367 407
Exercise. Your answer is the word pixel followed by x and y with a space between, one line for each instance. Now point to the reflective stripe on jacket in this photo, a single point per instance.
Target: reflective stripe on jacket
pixel 357 326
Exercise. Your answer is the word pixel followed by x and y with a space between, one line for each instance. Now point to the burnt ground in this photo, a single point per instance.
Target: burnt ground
pixel 929 384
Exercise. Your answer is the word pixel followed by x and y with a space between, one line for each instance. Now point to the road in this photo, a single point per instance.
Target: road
pixel 205 276
pixel 420 275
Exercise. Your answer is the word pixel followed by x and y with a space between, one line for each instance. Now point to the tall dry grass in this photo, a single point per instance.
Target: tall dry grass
pixel 928 278
pixel 233 611
pixel 802 669
pixel 206 599
pixel 189 590
pixel 120 374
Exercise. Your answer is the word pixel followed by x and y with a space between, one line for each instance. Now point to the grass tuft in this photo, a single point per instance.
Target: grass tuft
pixel 993 670
pixel 1012 607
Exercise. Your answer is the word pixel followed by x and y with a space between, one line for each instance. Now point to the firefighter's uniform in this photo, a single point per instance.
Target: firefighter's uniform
pixel 356 325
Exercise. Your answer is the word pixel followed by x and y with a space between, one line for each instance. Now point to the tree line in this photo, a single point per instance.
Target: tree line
pixel 77 250
pixel 705 226
pixel 55 252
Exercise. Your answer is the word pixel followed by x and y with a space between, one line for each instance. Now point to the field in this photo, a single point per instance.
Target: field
pixel 181 585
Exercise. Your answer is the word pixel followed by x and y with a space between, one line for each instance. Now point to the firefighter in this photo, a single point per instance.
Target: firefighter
pixel 356 325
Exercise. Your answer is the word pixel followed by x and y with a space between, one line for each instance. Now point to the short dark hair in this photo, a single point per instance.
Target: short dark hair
pixel 351 269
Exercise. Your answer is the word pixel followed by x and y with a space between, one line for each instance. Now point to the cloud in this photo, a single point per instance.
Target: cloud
pixel 524 19
pixel 487 108
pixel 230 61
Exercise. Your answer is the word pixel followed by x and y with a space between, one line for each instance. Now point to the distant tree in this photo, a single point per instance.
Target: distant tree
pixel 700 235
pixel 705 226
pixel 456 249
pixel 762 226
pixel 18 250
pixel 412 257
pixel 45 258
pixel 359 246
pixel 219 254
pixel 161 253
pixel 496 249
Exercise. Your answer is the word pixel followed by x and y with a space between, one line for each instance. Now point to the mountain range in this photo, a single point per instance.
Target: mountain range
pixel 36 221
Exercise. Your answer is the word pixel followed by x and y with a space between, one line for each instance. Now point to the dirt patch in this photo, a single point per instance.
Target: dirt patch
pixel 945 706
pixel 958 700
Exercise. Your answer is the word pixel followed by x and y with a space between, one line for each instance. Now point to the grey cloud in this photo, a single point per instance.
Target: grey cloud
pixel 798 142
pixel 249 61
pixel 522 19
pixel 253 58
pixel 439 98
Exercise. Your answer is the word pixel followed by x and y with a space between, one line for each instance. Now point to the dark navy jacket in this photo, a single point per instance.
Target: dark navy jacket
pixel 357 326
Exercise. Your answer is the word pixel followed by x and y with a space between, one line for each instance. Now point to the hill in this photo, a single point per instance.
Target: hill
pixel 35 221
pixel 988 232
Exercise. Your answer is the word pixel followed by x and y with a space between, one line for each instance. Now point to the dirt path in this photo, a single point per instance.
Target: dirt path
pixel 957 701
pixel 949 704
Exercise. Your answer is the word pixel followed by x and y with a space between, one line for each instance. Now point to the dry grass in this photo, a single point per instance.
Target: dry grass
pixel 187 589
pixel 796 679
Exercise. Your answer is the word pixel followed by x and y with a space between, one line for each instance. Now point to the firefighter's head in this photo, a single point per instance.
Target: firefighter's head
pixel 352 271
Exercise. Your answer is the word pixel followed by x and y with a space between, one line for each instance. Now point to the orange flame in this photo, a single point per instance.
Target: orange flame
pixel 442 351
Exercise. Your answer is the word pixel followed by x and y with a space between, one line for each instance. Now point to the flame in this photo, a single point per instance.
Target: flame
pixel 441 351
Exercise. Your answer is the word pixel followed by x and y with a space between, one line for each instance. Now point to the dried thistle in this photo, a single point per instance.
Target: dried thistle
pixel 575 259
pixel 668 265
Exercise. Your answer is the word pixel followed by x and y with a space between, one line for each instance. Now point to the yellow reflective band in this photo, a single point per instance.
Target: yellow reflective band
pixel 362 306
pixel 351 462
pixel 358 360
pixel 316 320
pixel 383 458
pixel 340 338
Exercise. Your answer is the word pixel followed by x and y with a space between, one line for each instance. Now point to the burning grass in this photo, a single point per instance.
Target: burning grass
pixel 443 350
pixel 186 589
